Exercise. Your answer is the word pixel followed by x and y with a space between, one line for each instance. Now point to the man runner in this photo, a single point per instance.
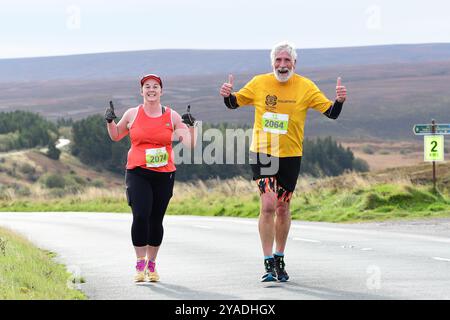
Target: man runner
pixel 281 100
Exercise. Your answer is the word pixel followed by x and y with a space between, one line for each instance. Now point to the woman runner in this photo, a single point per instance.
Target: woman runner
pixel 150 169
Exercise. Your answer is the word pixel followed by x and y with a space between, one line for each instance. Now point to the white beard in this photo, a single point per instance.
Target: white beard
pixel 283 77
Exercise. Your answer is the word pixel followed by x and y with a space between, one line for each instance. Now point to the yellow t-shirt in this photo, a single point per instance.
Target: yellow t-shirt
pixel 280 112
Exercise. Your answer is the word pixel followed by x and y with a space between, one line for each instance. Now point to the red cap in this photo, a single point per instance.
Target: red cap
pixel 151 76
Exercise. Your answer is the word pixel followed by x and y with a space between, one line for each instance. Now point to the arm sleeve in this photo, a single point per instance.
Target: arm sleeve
pixel 231 102
pixel 334 111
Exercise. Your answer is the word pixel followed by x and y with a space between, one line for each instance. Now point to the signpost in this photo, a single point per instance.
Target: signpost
pixel 424 129
pixel 433 142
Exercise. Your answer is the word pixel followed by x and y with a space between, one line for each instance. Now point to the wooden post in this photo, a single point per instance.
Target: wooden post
pixel 433 131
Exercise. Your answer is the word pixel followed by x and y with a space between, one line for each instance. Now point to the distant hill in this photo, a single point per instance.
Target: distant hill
pixel 206 62
pixel 390 87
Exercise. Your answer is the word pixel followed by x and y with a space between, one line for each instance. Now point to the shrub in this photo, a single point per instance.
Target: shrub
pixel 98 183
pixel 405 151
pixel 53 152
pixel 21 191
pixel 373 201
pixel 53 181
pixel 368 149
pixel 79 180
pixel 27 169
pixel 360 165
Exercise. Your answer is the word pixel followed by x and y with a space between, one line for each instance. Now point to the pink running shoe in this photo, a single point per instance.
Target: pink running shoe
pixel 151 272
pixel 141 266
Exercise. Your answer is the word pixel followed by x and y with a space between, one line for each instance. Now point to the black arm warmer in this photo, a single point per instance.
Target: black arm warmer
pixel 334 111
pixel 231 102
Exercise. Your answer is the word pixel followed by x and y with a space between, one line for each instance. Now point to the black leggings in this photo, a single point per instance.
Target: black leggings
pixel 148 194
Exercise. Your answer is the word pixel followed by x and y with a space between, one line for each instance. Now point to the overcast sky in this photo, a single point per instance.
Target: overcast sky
pixel 60 27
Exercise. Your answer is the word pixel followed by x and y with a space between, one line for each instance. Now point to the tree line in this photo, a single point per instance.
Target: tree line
pixel 92 145
pixel 24 129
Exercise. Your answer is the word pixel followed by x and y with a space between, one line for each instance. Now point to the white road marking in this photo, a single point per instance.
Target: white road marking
pixel 366 249
pixel 248 221
pixel 306 240
pixel 371 232
pixel 441 259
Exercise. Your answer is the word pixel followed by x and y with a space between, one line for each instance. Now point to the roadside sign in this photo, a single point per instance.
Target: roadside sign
pixel 433 142
pixel 443 129
pixel 422 129
pixel 433 147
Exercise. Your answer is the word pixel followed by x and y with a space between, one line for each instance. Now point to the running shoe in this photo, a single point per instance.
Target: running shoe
pixel 270 275
pixel 151 272
pixel 141 266
pixel 282 275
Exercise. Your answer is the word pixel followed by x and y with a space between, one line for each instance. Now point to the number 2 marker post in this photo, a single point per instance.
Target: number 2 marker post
pixel 433 142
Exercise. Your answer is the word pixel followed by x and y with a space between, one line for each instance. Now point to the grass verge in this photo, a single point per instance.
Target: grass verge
pixel 348 198
pixel 29 273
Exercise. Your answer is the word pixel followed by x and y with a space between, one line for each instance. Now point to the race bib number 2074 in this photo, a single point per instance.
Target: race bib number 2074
pixel 156 157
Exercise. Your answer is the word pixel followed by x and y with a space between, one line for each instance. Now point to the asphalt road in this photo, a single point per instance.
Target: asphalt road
pixel 220 258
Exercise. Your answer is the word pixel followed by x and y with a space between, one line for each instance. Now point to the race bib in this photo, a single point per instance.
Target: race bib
pixel 156 157
pixel 275 122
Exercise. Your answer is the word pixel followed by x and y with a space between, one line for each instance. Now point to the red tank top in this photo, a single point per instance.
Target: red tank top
pixel 151 142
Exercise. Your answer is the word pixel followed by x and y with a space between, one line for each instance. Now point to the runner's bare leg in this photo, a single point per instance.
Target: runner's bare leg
pixel 152 252
pixel 282 225
pixel 266 223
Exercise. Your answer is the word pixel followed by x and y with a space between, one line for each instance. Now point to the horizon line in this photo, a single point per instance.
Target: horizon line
pixel 217 49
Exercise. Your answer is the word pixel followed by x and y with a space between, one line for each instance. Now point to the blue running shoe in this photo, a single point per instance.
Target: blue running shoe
pixel 270 275
pixel 282 275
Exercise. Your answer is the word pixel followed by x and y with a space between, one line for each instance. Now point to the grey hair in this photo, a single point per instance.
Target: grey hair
pixel 283 46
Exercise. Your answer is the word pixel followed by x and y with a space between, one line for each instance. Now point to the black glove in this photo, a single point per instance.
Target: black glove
pixel 188 119
pixel 109 113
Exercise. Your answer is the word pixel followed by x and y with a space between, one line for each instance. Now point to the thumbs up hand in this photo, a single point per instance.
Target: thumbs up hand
pixel 341 91
pixel 227 87
pixel 188 119
pixel 109 113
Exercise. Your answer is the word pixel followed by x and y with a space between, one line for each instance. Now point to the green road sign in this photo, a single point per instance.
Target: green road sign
pixel 433 148
pixel 443 128
pixel 422 129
